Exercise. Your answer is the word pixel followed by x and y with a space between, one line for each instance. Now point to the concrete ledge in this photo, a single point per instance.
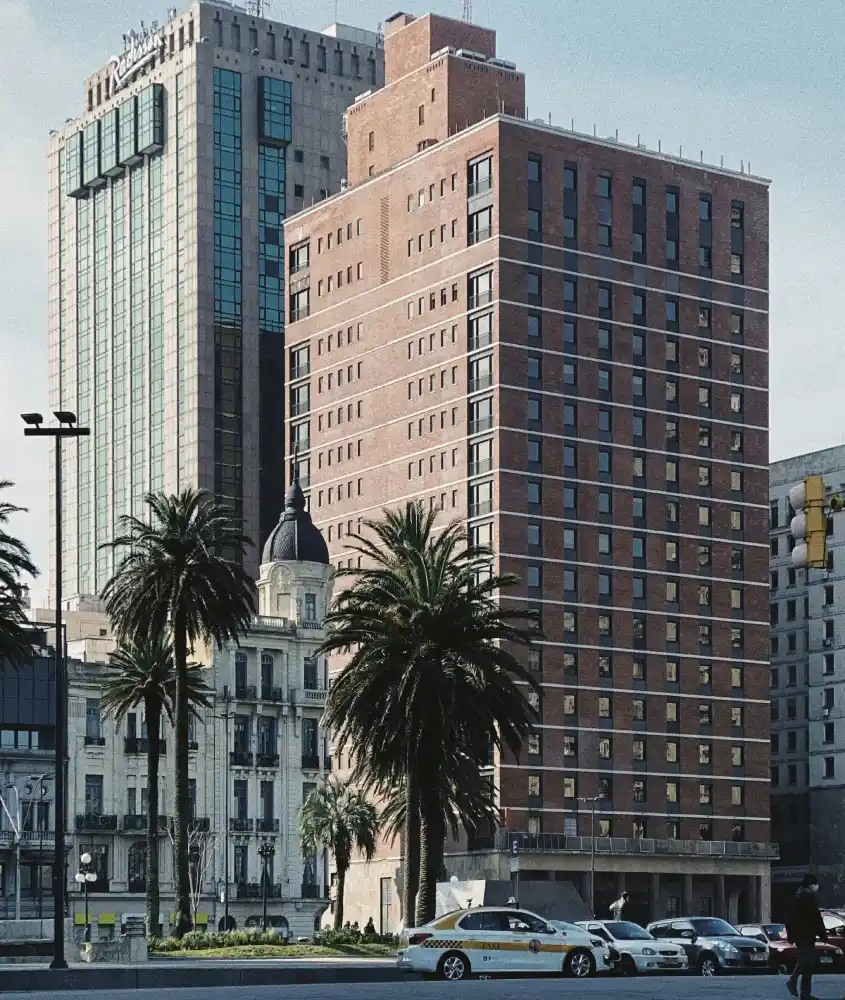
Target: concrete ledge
pixel 158 977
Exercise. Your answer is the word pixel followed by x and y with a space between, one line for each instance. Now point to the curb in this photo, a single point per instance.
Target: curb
pixel 142 978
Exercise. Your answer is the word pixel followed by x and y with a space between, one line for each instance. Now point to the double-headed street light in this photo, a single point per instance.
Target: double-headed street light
pixel 265 852
pixel 84 877
pixel 67 429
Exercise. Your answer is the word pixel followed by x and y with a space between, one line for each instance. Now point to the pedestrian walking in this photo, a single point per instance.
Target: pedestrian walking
pixel 618 909
pixel 805 927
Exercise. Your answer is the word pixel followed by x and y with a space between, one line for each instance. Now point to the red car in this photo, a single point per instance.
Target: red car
pixel 783 955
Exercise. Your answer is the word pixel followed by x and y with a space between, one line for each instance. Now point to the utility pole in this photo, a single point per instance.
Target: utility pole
pixel 592 800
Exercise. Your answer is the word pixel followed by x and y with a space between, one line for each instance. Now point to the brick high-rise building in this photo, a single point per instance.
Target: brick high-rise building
pixel 563 340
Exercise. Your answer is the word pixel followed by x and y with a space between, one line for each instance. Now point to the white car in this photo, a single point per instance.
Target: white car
pixel 638 950
pixel 500 940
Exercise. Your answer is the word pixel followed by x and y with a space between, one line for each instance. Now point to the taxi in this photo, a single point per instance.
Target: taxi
pixel 500 941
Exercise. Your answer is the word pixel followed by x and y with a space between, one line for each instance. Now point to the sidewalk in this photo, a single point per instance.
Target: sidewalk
pixel 178 973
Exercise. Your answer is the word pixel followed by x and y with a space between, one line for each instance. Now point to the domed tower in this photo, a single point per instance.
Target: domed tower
pixel 295 580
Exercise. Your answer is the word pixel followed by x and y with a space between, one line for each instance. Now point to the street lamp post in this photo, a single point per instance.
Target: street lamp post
pixel 592 800
pixel 265 852
pixel 85 877
pixel 67 429
pixel 225 718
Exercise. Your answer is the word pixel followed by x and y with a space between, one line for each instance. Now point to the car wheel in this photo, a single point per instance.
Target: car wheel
pixel 708 966
pixel 579 965
pixel 454 966
pixel 627 966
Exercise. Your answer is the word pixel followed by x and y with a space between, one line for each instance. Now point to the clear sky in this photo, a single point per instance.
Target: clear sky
pixel 754 80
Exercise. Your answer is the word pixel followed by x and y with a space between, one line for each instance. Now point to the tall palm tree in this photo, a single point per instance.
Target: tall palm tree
pixel 15 646
pixel 432 678
pixel 181 575
pixel 143 674
pixel 338 817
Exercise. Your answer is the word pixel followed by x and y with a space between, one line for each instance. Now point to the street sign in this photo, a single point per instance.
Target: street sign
pixel 514 866
pixel 515 847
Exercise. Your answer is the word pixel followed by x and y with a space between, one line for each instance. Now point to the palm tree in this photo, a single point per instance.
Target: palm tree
pixel 181 576
pixel 143 674
pixel 15 646
pixel 432 679
pixel 338 817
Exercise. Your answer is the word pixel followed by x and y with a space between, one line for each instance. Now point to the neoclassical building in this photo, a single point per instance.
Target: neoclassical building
pixel 254 757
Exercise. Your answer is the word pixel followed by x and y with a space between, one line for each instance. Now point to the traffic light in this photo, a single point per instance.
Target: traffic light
pixel 809 526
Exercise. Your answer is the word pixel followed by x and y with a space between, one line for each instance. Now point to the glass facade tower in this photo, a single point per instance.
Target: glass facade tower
pixel 167 198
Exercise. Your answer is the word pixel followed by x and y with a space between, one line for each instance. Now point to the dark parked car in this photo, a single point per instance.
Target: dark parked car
pixel 713 946
pixel 783 955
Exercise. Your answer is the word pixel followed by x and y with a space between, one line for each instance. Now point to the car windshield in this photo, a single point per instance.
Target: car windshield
pixel 774 932
pixel 624 930
pixel 710 927
pixel 562 925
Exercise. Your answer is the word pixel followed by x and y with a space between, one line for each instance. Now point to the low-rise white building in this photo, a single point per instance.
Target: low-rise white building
pixel 254 756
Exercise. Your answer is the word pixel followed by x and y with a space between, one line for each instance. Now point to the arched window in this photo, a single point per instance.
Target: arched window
pixel 138 866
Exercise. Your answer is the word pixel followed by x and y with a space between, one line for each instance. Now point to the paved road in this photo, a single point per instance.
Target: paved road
pixel 680 988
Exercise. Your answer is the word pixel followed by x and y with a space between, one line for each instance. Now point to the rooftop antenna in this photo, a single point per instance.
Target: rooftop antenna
pixel 467 12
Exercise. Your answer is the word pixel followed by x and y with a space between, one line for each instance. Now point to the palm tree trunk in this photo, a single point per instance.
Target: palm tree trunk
pixel 338 906
pixel 433 834
pixel 183 882
pixel 411 846
pixel 153 713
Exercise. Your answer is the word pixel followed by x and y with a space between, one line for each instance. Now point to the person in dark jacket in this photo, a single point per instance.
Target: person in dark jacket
pixel 805 927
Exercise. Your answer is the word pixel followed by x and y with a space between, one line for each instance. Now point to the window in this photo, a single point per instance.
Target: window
pixel 829 768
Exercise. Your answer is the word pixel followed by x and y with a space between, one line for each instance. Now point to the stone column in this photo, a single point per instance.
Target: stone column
pixel 721 905
pixel 760 900
pixel 686 896
pixel 655 911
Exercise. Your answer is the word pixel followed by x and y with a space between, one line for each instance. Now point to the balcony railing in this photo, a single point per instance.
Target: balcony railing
pixel 303 313
pixel 479 341
pixel 199 824
pixel 481 186
pixel 300 371
pixel 240 825
pixel 267 825
pixel 138 822
pixel 272 694
pixel 31 839
pixel 298 408
pixel 252 890
pixel 310 762
pixel 95 741
pixel 480 299
pixel 240 758
pixel 304 623
pixel 544 843
pixel 480 424
pixel 310 890
pixel 266 760
pixel 478 235
pixel 481 509
pixel 313 697
pixel 480 382
pixel 246 693
pixel 272 621
pixel 482 466
pixel 137 885
pixel 137 745
pixel 301 444
pixel 96 821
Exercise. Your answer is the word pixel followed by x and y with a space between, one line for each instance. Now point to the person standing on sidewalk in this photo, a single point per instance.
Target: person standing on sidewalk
pixel 618 910
pixel 805 927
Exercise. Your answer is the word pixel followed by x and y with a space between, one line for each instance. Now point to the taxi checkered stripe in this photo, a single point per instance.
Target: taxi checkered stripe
pixel 442 943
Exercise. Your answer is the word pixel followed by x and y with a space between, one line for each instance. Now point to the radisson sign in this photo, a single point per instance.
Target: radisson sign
pixel 140 49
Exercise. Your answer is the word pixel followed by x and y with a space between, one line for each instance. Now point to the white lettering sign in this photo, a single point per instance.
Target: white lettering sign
pixel 140 50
